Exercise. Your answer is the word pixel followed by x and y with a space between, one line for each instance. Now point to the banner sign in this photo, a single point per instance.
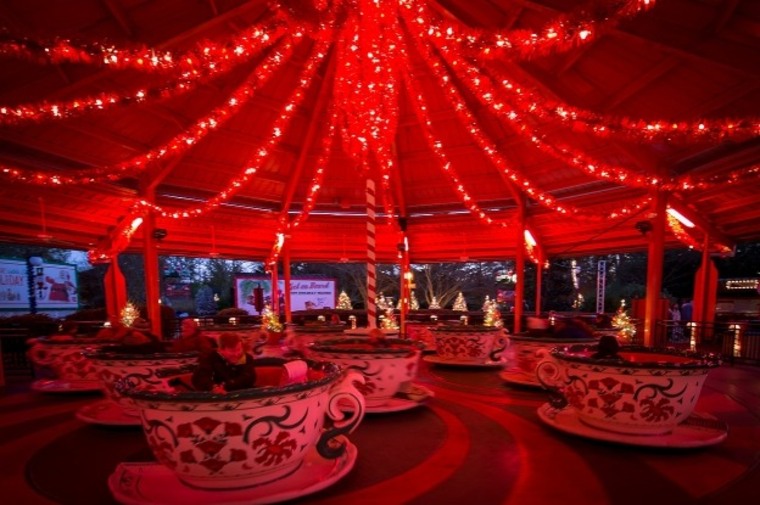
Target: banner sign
pixel 305 293
pixel 54 285
pixel 14 285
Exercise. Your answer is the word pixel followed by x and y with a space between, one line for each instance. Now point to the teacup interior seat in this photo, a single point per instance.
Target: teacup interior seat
pixel 266 376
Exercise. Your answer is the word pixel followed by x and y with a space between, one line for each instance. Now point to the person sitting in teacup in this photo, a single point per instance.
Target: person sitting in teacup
pixel 192 339
pixel 225 369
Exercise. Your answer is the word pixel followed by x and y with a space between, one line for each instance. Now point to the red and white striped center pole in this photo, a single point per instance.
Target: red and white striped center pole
pixel 371 273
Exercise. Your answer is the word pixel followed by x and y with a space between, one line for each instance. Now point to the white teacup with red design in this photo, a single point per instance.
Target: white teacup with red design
pixel 385 365
pixel 136 369
pixel 642 391
pixel 469 343
pixel 252 436
pixel 526 351
pixel 64 356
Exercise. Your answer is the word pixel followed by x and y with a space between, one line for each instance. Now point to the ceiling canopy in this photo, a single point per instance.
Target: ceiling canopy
pixel 234 122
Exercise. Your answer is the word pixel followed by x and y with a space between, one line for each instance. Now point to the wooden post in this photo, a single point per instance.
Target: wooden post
pixel 654 266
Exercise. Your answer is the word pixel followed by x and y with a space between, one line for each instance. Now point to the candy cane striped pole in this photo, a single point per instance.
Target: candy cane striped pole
pixel 371 272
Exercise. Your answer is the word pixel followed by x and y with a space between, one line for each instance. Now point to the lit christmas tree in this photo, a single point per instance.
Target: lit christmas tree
pixel 492 315
pixel 434 303
pixel 486 304
pixel 381 302
pixel 344 301
pixel 269 320
pixel 128 314
pixel 459 303
pixel 389 321
pixel 414 304
pixel 622 322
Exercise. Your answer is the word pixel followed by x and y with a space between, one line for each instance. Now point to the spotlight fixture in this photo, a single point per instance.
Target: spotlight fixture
pixel 644 227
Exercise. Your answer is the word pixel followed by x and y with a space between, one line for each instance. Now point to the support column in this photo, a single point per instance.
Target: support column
pixel 152 282
pixel 115 290
pixel 371 256
pixel 404 291
pixel 286 281
pixel 655 254
pixel 520 270
pixel 539 284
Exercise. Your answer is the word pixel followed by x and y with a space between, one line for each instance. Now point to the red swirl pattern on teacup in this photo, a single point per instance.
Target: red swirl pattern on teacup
pixel 249 437
pixel 465 344
pixel 66 359
pixel 644 392
pixel 384 367
pixel 525 352
pixel 136 370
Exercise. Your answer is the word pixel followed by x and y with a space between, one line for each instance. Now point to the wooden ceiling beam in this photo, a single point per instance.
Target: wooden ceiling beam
pixel 116 11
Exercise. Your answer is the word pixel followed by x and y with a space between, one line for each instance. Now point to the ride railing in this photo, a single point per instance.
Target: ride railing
pixel 736 341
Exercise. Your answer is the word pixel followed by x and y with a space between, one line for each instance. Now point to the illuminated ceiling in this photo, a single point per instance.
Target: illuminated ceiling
pixel 235 120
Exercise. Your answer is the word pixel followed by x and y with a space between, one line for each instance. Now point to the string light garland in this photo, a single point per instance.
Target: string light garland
pixel 467 117
pixel 563 32
pixel 175 146
pixel 261 153
pixel 533 103
pixel 206 53
pixel 371 40
pixel 188 81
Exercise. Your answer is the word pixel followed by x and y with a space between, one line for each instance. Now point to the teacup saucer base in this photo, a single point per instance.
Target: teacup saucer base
pixel 414 396
pixel 437 360
pixel 519 377
pixel 64 386
pixel 698 430
pixel 153 483
pixel 107 413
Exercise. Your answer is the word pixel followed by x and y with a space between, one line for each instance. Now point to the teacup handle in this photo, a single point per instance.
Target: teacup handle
pixel 344 391
pixel 548 374
pixel 499 347
pixel 39 355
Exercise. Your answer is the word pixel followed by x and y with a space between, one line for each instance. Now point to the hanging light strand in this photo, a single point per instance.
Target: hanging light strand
pixel 188 81
pixel 562 32
pixel 178 144
pixel 491 151
pixel 205 53
pixel 261 153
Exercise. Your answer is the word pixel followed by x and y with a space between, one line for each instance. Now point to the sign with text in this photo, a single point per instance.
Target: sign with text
pixel 305 293
pixel 54 285
pixel 14 285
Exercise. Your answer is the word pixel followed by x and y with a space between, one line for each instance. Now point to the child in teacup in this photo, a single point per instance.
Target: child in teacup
pixel 225 369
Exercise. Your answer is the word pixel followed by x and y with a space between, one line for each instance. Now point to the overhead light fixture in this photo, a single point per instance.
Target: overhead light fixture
pixel 529 238
pixel 680 217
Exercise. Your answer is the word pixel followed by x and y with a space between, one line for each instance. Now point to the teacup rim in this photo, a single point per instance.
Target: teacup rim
pixel 106 355
pixel 333 373
pixel 334 346
pixel 465 328
pixel 697 360
pixel 558 340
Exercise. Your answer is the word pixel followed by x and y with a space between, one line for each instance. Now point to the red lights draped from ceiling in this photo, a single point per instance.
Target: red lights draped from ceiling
pixel 381 45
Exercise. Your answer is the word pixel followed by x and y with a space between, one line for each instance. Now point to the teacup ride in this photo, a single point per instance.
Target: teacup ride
pixel 389 368
pixel 526 350
pixel 257 341
pixel 61 364
pixel 298 337
pixel 266 444
pixel 468 345
pixel 133 368
pixel 643 396
pixel 420 332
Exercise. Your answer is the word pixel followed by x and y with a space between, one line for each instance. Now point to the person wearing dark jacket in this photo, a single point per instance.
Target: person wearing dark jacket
pixel 225 369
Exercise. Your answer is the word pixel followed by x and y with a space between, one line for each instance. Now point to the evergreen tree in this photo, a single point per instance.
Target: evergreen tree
pixel 204 301
pixel 344 301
